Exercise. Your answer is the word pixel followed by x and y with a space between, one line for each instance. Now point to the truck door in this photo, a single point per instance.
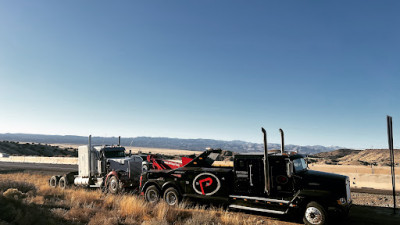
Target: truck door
pixel 282 184
pixel 248 174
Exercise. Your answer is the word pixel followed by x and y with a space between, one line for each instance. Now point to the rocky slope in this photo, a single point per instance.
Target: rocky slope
pixel 378 157
pixel 32 149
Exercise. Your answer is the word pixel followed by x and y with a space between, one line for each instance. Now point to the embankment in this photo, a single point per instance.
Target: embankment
pixel 376 177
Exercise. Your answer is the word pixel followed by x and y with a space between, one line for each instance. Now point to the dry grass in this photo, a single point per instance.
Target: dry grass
pixel 44 205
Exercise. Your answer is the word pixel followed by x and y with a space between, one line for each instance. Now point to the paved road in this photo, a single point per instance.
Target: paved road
pixel 373 215
pixel 6 167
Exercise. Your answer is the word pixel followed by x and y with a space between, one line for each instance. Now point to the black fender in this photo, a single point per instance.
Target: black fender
pixel 171 184
pixel 148 184
pixel 110 174
pixel 323 197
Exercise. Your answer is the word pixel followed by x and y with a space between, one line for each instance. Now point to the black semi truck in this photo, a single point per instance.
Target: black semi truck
pixel 276 183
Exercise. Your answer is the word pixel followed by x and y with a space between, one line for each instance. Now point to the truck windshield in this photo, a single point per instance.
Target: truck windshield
pixel 299 165
pixel 114 154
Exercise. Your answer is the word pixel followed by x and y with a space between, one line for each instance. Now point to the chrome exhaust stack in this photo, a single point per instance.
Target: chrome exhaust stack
pixel 267 187
pixel 90 155
pixel 282 141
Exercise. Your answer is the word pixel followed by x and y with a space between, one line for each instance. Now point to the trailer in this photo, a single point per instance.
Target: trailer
pixel 277 183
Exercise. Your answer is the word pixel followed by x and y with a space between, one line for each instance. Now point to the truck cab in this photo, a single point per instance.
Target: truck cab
pixel 107 167
pixel 293 188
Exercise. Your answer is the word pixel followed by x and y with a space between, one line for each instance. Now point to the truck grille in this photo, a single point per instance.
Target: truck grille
pixel 348 194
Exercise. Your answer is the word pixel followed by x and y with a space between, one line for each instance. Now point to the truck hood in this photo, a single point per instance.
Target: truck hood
pixel 317 180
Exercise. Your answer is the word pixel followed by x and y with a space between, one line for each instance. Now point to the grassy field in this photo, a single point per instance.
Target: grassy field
pixel 28 199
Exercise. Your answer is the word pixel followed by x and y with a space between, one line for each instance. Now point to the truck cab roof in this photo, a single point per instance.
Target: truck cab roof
pixel 111 151
pixel 109 148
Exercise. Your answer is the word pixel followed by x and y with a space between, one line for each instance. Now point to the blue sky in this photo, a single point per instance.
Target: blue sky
pixel 326 72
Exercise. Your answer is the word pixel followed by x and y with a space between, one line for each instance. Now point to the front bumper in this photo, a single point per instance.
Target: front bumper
pixel 341 209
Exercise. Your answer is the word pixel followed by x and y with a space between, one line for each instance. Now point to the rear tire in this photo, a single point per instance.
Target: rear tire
pixel 113 185
pixel 314 214
pixel 152 194
pixel 171 196
pixel 53 181
pixel 63 182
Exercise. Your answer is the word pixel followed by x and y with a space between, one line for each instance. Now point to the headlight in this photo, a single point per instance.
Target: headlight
pixel 342 201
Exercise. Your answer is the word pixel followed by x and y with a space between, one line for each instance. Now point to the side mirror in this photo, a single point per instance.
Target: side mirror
pixel 307 162
pixel 289 169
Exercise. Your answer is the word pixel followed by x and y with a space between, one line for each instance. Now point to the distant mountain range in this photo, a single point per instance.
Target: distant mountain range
pixel 162 142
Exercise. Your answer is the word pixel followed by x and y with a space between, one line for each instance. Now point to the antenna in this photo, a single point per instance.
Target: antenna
pixel 282 141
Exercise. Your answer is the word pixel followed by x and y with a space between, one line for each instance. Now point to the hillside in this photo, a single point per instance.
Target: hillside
pixel 379 157
pixel 32 149
pixel 162 142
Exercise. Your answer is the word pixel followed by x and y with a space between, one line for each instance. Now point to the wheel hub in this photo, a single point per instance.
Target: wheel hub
pixel 171 198
pixel 152 196
pixel 313 215
pixel 113 185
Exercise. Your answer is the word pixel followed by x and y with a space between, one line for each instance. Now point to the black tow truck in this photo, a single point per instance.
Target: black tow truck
pixel 276 183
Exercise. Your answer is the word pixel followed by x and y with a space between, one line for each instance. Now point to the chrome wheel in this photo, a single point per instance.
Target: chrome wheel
pixel 53 182
pixel 313 215
pixel 113 185
pixel 171 198
pixel 62 183
pixel 152 196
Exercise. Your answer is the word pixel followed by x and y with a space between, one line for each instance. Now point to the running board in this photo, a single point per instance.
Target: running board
pixel 257 209
pixel 260 199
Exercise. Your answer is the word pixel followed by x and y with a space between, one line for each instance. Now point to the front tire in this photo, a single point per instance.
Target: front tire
pixel 171 196
pixel 113 185
pixel 152 194
pixel 315 214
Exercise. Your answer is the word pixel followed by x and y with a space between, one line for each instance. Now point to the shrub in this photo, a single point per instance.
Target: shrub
pixel 21 186
pixel 13 193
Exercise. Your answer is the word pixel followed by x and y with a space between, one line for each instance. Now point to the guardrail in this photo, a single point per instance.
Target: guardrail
pixel 40 159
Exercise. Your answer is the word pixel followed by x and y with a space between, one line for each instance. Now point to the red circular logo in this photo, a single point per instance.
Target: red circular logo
pixel 206 184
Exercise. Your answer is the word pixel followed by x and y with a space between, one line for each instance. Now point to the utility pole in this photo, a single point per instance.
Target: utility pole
pixel 390 141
